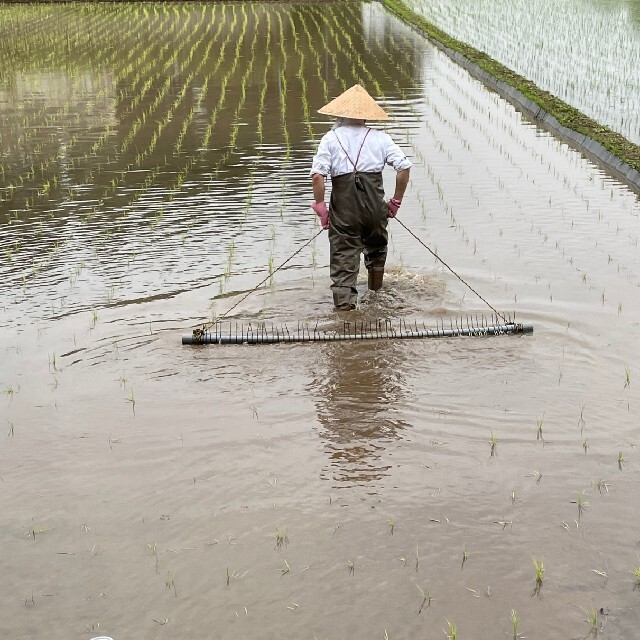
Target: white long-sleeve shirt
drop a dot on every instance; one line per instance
(378, 149)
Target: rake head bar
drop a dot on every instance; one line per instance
(230, 333)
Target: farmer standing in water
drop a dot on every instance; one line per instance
(354, 156)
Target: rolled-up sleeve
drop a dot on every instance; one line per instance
(395, 157)
(322, 160)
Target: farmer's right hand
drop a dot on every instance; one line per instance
(322, 212)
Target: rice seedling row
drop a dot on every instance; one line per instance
(598, 42)
(608, 234)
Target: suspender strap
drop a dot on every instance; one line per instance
(354, 165)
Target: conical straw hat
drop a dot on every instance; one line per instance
(355, 103)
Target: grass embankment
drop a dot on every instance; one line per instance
(565, 114)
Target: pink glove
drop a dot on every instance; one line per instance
(321, 211)
(393, 206)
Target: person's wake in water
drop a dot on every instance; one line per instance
(354, 155)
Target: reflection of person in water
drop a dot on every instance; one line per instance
(355, 406)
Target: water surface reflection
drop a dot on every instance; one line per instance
(357, 394)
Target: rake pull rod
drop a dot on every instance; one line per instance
(199, 331)
(437, 257)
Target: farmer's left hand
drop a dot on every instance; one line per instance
(393, 205)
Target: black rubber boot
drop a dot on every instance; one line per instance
(376, 276)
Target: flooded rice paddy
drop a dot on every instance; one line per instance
(586, 53)
(155, 168)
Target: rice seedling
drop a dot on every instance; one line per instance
(515, 624)
(271, 270)
(286, 569)
(282, 537)
(493, 443)
(451, 632)
(426, 598)
(601, 486)
(154, 550)
(581, 503)
(35, 531)
(591, 617)
(627, 374)
(132, 400)
(465, 556)
(539, 571)
(585, 445)
(170, 583)
(636, 575)
(537, 474)
(620, 460)
(352, 567)
(392, 524)
(539, 435)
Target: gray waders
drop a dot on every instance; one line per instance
(357, 224)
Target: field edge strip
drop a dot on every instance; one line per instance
(611, 150)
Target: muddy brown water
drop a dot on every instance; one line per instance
(151, 489)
